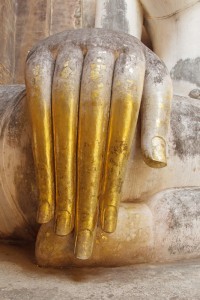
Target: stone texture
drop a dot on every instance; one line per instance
(65, 15)
(7, 40)
(19, 196)
(183, 163)
(176, 215)
(12, 221)
(32, 25)
(168, 231)
(131, 243)
(26, 22)
(36, 20)
(88, 13)
(21, 279)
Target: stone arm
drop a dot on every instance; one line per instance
(172, 27)
(125, 16)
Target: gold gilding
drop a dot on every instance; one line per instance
(84, 244)
(87, 143)
(63, 224)
(109, 219)
(65, 99)
(44, 212)
(125, 106)
(124, 112)
(38, 83)
(92, 133)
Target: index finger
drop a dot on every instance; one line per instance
(92, 133)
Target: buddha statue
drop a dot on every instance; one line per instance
(96, 110)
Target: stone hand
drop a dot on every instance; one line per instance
(84, 91)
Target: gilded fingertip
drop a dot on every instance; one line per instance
(84, 244)
(109, 220)
(63, 223)
(44, 214)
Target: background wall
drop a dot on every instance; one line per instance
(25, 22)
(7, 40)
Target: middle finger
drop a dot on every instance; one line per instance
(92, 133)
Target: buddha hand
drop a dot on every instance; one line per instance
(84, 91)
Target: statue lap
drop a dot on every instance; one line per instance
(158, 216)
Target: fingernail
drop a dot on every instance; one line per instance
(63, 223)
(44, 214)
(109, 223)
(84, 244)
(159, 152)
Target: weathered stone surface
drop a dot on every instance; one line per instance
(115, 16)
(176, 224)
(176, 215)
(183, 164)
(21, 279)
(36, 20)
(88, 13)
(17, 192)
(140, 184)
(7, 40)
(131, 243)
(32, 25)
(168, 231)
(65, 15)
(24, 23)
(187, 70)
